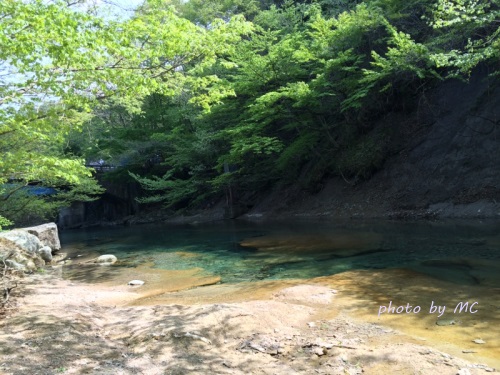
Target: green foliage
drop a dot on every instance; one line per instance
(4, 222)
(296, 152)
(172, 190)
(64, 66)
(21, 206)
(205, 12)
(364, 157)
(194, 93)
(299, 93)
(477, 22)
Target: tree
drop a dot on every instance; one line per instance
(59, 63)
(298, 98)
(475, 24)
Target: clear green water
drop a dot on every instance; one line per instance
(466, 253)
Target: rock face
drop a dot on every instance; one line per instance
(112, 208)
(47, 234)
(316, 294)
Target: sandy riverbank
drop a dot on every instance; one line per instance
(325, 325)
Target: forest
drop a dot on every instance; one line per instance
(189, 98)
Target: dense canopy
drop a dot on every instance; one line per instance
(189, 97)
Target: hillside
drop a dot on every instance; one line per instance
(444, 163)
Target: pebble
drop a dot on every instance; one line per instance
(325, 345)
(479, 341)
(136, 282)
(463, 371)
(446, 322)
(319, 351)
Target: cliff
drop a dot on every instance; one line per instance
(445, 162)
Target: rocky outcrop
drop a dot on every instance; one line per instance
(29, 248)
(18, 257)
(47, 234)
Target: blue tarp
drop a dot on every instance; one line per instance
(31, 190)
(40, 190)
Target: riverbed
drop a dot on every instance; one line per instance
(438, 282)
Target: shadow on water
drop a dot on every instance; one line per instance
(96, 274)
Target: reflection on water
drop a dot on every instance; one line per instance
(466, 253)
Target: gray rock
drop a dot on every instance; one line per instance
(17, 257)
(318, 351)
(45, 253)
(15, 265)
(47, 234)
(106, 259)
(446, 322)
(23, 239)
(136, 282)
(482, 367)
(322, 344)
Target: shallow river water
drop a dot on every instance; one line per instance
(465, 253)
(372, 264)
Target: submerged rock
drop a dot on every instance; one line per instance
(106, 259)
(446, 322)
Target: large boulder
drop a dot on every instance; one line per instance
(23, 239)
(47, 234)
